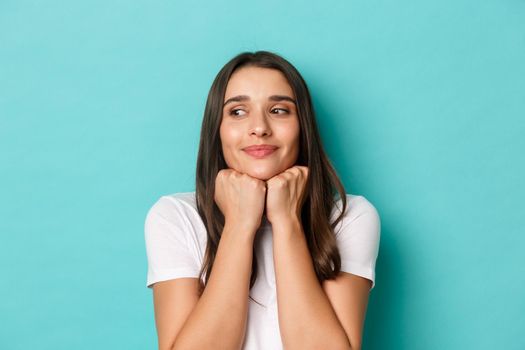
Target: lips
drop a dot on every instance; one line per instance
(259, 151)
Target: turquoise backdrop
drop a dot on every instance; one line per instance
(421, 105)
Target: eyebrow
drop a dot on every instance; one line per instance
(242, 98)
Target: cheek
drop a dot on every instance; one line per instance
(230, 139)
(229, 136)
(291, 135)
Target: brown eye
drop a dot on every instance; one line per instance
(237, 112)
(280, 110)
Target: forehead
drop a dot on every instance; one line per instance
(258, 81)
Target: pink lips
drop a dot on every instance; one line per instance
(260, 151)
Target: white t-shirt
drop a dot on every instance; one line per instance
(176, 242)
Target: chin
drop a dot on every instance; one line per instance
(262, 174)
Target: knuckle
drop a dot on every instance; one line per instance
(280, 182)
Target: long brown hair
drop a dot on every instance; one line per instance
(323, 187)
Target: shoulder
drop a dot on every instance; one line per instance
(175, 216)
(358, 236)
(356, 205)
(170, 205)
(175, 210)
(175, 238)
(358, 208)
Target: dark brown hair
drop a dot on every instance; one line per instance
(323, 188)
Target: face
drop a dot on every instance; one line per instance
(259, 109)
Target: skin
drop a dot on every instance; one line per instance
(257, 118)
(311, 315)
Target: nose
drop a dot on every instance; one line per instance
(260, 125)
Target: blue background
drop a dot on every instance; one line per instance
(421, 105)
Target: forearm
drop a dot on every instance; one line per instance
(306, 317)
(218, 320)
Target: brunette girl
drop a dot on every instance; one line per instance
(269, 252)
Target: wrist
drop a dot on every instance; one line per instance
(239, 229)
(287, 224)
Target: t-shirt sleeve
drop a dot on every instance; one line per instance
(168, 254)
(358, 239)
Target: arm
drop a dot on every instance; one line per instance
(173, 301)
(348, 294)
(310, 317)
(306, 317)
(218, 320)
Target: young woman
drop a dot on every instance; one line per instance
(269, 252)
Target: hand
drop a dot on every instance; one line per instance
(285, 195)
(240, 198)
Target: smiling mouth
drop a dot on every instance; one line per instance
(260, 153)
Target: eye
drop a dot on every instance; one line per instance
(280, 110)
(237, 112)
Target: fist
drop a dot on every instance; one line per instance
(285, 194)
(240, 198)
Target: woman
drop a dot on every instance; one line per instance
(269, 252)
